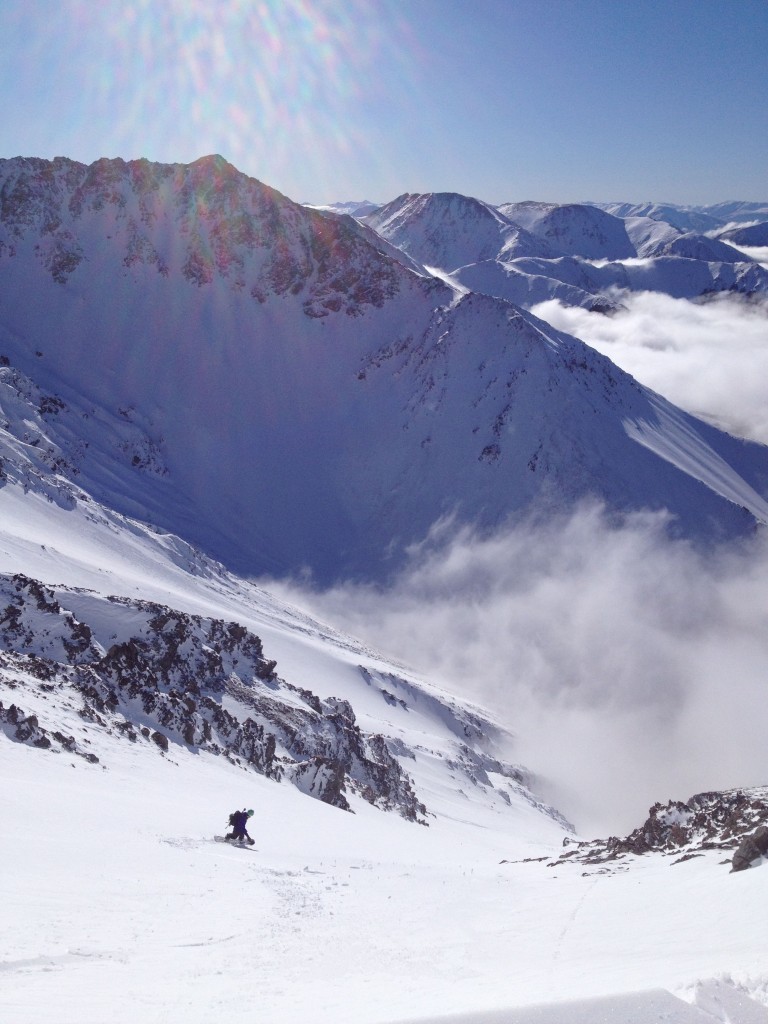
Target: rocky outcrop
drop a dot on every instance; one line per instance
(751, 849)
(180, 679)
(708, 821)
(26, 729)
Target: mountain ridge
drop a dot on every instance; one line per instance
(270, 384)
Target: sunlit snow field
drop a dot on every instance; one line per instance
(119, 906)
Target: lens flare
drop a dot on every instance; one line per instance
(286, 90)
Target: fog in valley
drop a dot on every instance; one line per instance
(709, 357)
(630, 667)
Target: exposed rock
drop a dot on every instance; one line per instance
(323, 779)
(26, 729)
(174, 675)
(708, 821)
(161, 741)
(230, 226)
(750, 849)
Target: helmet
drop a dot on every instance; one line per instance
(250, 813)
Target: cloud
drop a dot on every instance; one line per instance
(710, 358)
(758, 253)
(631, 668)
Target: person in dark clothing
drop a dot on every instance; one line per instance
(238, 821)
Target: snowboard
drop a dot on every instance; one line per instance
(231, 842)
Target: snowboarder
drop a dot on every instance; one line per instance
(238, 820)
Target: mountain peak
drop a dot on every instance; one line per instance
(443, 229)
(270, 383)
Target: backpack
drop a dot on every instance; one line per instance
(231, 818)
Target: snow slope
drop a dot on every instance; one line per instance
(604, 281)
(698, 247)
(578, 254)
(122, 908)
(751, 235)
(144, 620)
(649, 236)
(525, 284)
(118, 905)
(267, 382)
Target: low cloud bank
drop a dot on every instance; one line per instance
(710, 358)
(630, 668)
(758, 253)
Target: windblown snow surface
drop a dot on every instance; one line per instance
(117, 904)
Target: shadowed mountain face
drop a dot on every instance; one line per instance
(267, 381)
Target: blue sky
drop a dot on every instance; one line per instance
(559, 100)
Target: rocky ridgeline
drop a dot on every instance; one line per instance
(204, 220)
(708, 821)
(166, 678)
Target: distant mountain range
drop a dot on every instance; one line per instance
(576, 253)
(287, 390)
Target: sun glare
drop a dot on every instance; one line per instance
(269, 84)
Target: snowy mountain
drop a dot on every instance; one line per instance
(737, 211)
(193, 367)
(575, 230)
(754, 234)
(687, 219)
(649, 236)
(578, 254)
(353, 208)
(527, 282)
(447, 230)
(668, 275)
(698, 247)
(683, 218)
(266, 382)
